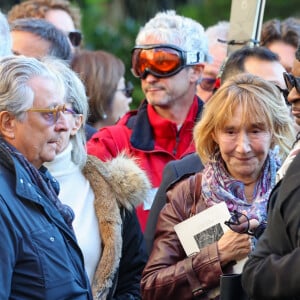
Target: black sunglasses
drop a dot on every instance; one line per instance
(291, 82)
(209, 84)
(285, 93)
(75, 37)
(128, 90)
(235, 224)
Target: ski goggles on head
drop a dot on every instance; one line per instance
(162, 60)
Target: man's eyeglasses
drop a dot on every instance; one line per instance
(285, 93)
(128, 90)
(209, 84)
(75, 37)
(291, 82)
(240, 223)
(51, 115)
(162, 60)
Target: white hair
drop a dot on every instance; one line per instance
(5, 37)
(217, 32)
(170, 28)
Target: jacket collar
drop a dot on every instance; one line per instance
(142, 136)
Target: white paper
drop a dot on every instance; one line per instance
(205, 228)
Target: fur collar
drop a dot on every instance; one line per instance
(116, 183)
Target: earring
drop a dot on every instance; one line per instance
(104, 116)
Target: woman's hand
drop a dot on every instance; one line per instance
(233, 246)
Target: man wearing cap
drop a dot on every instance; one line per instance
(168, 58)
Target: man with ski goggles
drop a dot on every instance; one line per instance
(162, 60)
(169, 57)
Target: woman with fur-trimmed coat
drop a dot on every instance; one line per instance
(103, 196)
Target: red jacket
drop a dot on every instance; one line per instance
(153, 140)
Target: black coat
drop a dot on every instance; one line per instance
(272, 271)
(173, 172)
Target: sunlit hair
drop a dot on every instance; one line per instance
(76, 95)
(39, 8)
(5, 38)
(16, 96)
(261, 103)
(287, 31)
(176, 30)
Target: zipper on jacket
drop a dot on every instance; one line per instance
(176, 144)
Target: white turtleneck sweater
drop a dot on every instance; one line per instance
(75, 191)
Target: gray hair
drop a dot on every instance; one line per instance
(59, 43)
(16, 96)
(76, 95)
(5, 37)
(217, 33)
(177, 30)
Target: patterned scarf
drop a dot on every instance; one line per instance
(37, 179)
(218, 185)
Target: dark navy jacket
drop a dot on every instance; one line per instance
(39, 255)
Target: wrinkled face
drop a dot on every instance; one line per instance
(29, 44)
(35, 137)
(285, 52)
(72, 123)
(294, 95)
(244, 148)
(120, 102)
(165, 92)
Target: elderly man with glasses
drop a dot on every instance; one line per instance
(168, 58)
(40, 257)
(272, 269)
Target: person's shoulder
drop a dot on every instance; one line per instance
(294, 167)
(288, 185)
(189, 162)
(183, 168)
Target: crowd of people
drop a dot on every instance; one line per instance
(92, 191)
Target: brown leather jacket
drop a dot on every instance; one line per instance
(169, 273)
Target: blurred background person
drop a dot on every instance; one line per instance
(217, 36)
(5, 37)
(39, 38)
(103, 197)
(236, 140)
(61, 13)
(109, 95)
(283, 38)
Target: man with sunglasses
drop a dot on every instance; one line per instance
(168, 58)
(61, 13)
(38, 38)
(292, 81)
(272, 270)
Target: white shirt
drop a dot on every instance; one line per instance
(75, 191)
